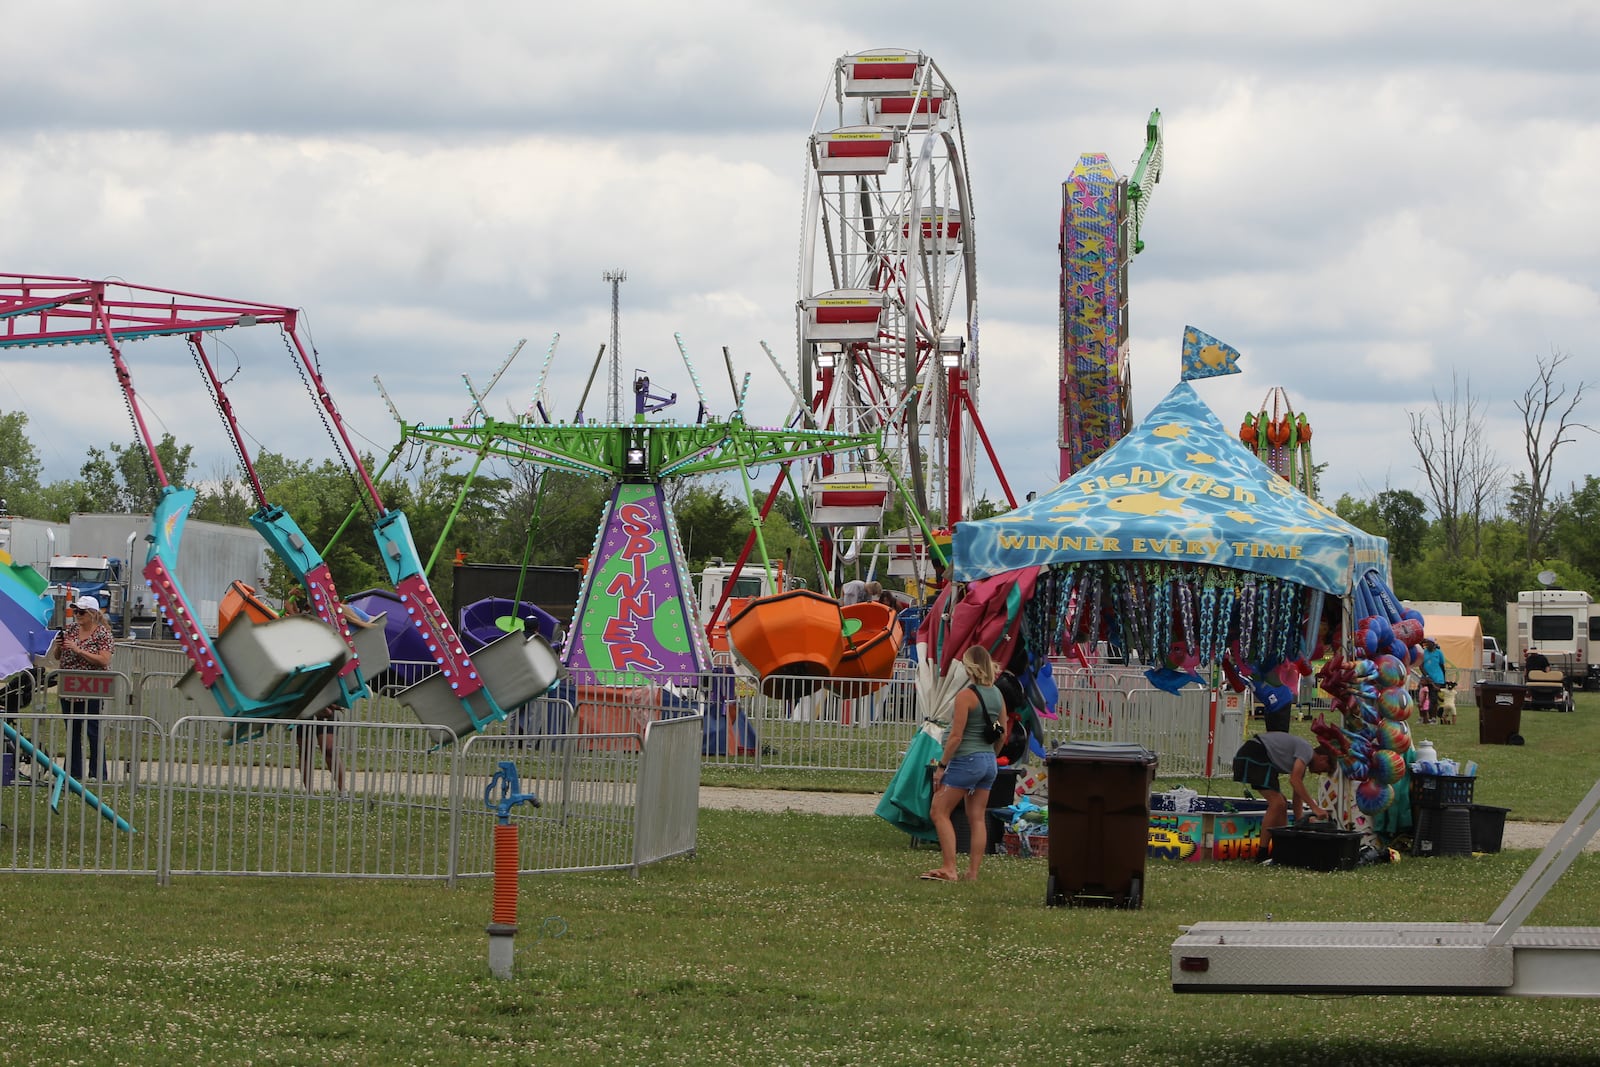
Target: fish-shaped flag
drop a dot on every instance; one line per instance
(1206, 357)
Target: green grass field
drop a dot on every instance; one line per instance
(788, 939)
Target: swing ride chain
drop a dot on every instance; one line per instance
(216, 402)
(144, 453)
(322, 413)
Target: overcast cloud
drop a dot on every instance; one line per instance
(1367, 199)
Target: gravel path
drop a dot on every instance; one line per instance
(780, 800)
(1532, 835)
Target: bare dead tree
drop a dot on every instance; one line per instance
(1463, 476)
(1549, 419)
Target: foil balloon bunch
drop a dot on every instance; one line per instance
(1371, 740)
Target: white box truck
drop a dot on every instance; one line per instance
(210, 556)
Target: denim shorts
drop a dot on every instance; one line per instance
(975, 770)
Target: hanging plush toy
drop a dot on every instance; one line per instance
(1177, 671)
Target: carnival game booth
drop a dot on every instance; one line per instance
(1177, 536)
(1182, 548)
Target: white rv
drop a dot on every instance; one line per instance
(1559, 623)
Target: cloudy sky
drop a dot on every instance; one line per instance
(1370, 200)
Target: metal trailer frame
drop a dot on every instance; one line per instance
(1500, 957)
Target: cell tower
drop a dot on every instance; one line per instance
(614, 402)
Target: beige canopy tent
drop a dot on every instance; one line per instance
(1460, 638)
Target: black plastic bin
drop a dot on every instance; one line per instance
(1488, 827)
(1442, 832)
(1500, 713)
(1316, 847)
(1099, 803)
(1001, 796)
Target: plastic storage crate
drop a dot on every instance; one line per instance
(1443, 832)
(1315, 849)
(1441, 790)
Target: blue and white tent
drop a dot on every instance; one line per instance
(1178, 488)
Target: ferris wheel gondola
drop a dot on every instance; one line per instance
(887, 309)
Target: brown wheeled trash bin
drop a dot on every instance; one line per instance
(1500, 713)
(1099, 802)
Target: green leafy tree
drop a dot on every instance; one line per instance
(1362, 514)
(711, 523)
(319, 499)
(1577, 528)
(544, 517)
(1405, 523)
(988, 509)
(125, 480)
(58, 500)
(19, 465)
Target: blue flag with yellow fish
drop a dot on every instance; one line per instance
(1206, 357)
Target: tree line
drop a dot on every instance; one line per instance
(527, 516)
(1482, 529)
(1485, 527)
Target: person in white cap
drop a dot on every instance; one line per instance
(84, 644)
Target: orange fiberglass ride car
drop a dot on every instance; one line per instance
(799, 640)
(873, 637)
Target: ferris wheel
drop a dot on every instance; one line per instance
(888, 309)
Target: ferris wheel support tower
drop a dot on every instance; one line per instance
(887, 312)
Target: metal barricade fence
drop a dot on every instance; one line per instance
(1090, 705)
(46, 826)
(807, 724)
(342, 799)
(616, 801)
(360, 799)
(156, 696)
(586, 785)
(829, 724)
(1177, 727)
(135, 658)
(667, 804)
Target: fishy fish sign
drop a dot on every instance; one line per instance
(1178, 487)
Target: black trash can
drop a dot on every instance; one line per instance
(1500, 713)
(1488, 827)
(1099, 803)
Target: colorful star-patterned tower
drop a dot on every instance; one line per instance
(1101, 215)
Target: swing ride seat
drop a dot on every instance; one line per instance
(277, 667)
(850, 498)
(871, 652)
(372, 653)
(789, 640)
(515, 669)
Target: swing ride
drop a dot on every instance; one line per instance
(284, 667)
